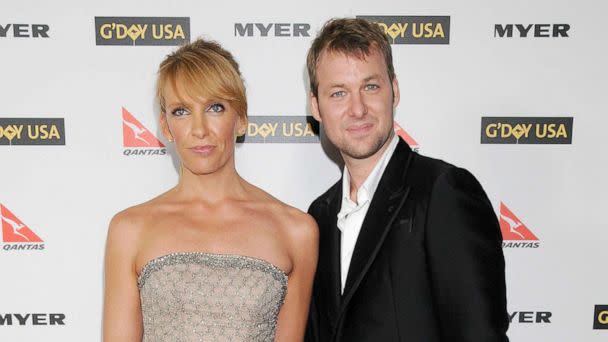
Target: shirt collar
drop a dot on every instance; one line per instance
(369, 186)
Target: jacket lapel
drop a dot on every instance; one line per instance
(388, 199)
(329, 254)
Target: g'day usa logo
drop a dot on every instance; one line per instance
(600, 317)
(137, 139)
(16, 235)
(142, 30)
(526, 130)
(413, 29)
(32, 131)
(515, 234)
(281, 129)
(406, 137)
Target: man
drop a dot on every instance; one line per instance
(410, 248)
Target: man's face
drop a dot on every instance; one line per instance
(355, 102)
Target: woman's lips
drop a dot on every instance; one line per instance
(203, 149)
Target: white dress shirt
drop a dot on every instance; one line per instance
(351, 215)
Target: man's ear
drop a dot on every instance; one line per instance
(164, 127)
(314, 107)
(396, 93)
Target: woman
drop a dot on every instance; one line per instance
(215, 258)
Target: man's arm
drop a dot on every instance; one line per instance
(466, 261)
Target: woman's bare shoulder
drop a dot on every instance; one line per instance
(301, 228)
(130, 222)
(300, 234)
(298, 227)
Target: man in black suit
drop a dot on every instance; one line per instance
(410, 248)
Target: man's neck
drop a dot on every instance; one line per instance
(360, 169)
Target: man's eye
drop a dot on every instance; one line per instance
(371, 87)
(339, 93)
(216, 108)
(179, 111)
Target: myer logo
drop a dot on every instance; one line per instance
(271, 30)
(414, 29)
(32, 319)
(282, 129)
(530, 317)
(32, 131)
(142, 30)
(531, 30)
(24, 30)
(526, 130)
(600, 317)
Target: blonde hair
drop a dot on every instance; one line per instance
(203, 69)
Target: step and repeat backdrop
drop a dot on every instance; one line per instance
(513, 91)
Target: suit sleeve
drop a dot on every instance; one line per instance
(312, 327)
(466, 261)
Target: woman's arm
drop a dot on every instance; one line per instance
(303, 244)
(122, 320)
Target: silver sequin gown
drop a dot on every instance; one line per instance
(210, 297)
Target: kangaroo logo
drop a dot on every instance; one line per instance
(135, 134)
(511, 226)
(13, 230)
(403, 134)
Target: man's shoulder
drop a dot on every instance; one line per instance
(429, 167)
(426, 173)
(417, 168)
(325, 199)
(429, 173)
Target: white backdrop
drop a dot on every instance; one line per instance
(66, 194)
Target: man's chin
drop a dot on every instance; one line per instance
(364, 150)
(362, 153)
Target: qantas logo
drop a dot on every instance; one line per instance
(137, 139)
(408, 139)
(515, 234)
(15, 234)
(135, 134)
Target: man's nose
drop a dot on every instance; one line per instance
(358, 107)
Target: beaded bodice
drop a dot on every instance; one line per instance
(210, 297)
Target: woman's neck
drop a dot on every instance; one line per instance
(211, 188)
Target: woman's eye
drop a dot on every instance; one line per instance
(339, 93)
(216, 108)
(179, 111)
(371, 87)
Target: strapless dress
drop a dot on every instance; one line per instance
(210, 297)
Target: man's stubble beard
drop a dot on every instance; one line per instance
(353, 152)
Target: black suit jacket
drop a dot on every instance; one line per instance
(427, 266)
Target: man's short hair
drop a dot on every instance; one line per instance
(352, 37)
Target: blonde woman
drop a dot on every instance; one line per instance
(215, 258)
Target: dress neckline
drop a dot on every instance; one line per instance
(149, 266)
